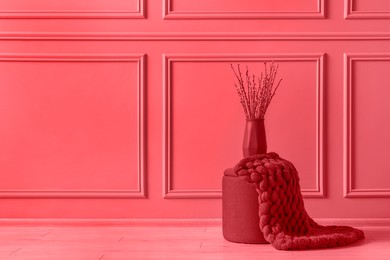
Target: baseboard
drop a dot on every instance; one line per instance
(358, 222)
(111, 222)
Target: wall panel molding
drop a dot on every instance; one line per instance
(139, 13)
(349, 13)
(349, 190)
(168, 191)
(161, 36)
(95, 193)
(168, 13)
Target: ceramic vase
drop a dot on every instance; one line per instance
(255, 141)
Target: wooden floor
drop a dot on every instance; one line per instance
(167, 242)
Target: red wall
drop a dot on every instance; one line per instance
(127, 109)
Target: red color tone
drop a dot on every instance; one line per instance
(71, 121)
(117, 109)
(255, 141)
(240, 210)
(283, 218)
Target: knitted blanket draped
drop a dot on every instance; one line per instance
(283, 218)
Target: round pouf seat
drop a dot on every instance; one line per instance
(240, 211)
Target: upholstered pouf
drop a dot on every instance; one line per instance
(240, 210)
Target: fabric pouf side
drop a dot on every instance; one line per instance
(240, 211)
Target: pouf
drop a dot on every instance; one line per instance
(240, 210)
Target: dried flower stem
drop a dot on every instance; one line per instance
(256, 93)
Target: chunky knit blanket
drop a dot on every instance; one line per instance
(283, 218)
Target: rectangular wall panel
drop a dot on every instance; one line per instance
(366, 136)
(71, 9)
(71, 125)
(244, 9)
(367, 9)
(204, 121)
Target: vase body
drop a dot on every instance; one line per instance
(255, 141)
(240, 211)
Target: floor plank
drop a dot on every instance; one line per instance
(154, 242)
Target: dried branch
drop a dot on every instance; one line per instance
(256, 93)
